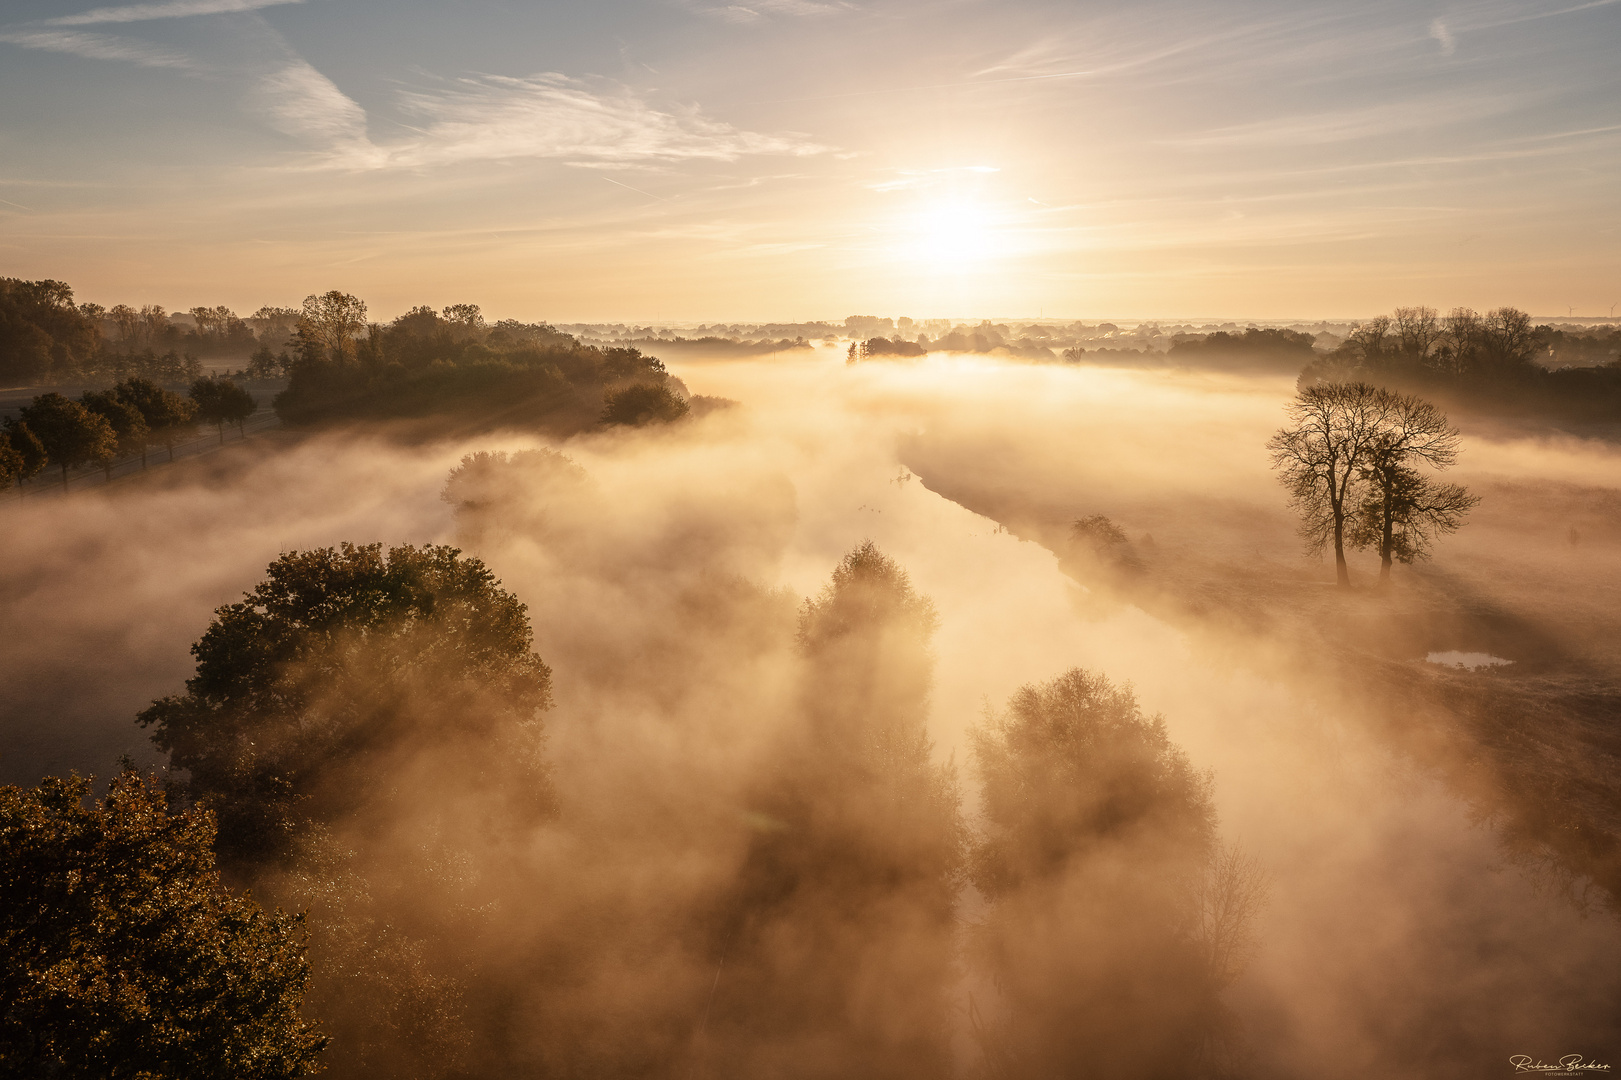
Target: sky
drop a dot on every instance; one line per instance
(684, 160)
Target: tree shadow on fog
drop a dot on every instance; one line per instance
(835, 949)
(1114, 919)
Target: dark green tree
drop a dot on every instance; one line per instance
(126, 420)
(642, 403)
(71, 434)
(122, 956)
(220, 402)
(338, 657)
(169, 416)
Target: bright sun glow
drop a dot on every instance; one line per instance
(955, 233)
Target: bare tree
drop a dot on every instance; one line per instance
(1405, 513)
(1321, 455)
(1460, 340)
(1371, 337)
(1506, 335)
(1418, 329)
(1402, 510)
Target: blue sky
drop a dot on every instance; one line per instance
(806, 158)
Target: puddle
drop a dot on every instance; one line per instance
(1470, 660)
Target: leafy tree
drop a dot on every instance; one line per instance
(72, 435)
(329, 324)
(840, 940)
(21, 452)
(41, 330)
(1401, 510)
(264, 364)
(627, 363)
(126, 420)
(1320, 456)
(641, 404)
(220, 402)
(338, 656)
(1113, 920)
(122, 956)
(169, 416)
(1253, 346)
(11, 463)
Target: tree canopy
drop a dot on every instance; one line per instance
(71, 434)
(339, 652)
(21, 453)
(642, 403)
(122, 956)
(126, 420)
(40, 329)
(329, 324)
(169, 417)
(221, 401)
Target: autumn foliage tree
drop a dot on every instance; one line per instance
(22, 455)
(126, 420)
(121, 956)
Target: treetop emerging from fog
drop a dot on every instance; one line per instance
(339, 651)
(869, 592)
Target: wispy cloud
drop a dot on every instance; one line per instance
(494, 118)
(1439, 31)
(759, 10)
(172, 9)
(299, 101)
(99, 47)
(1345, 125)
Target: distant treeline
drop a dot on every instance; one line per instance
(46, 338)
(1497, 363)
(428, 363)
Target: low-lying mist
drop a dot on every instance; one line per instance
(699, 901)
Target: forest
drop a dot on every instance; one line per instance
(529, 706)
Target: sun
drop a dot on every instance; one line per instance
(954, 233)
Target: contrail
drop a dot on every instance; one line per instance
(638, 190)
